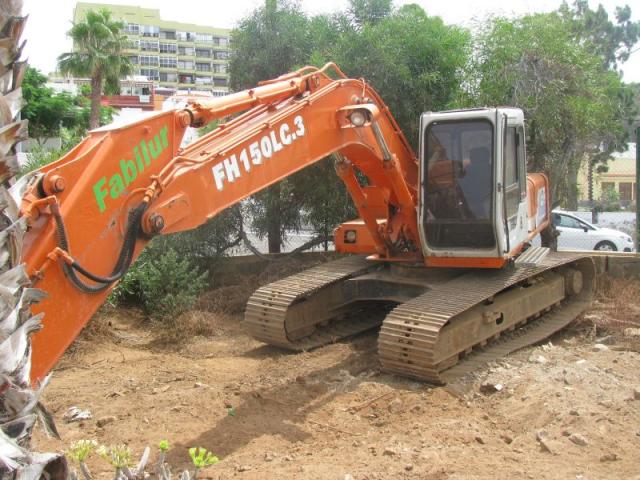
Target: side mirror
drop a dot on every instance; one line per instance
(585, 229)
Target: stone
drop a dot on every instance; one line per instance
(506, 438)
(537, 359)
(578, 439)
(632, 332)
(243, 468)
(269, 457)
(390, 452)
(479, 439)
(396, 406)
(489, 387)
(575, 413)
(101, 422)
(545, 442)
(636, 393)
(599, 347)
(609, 457)
(348, 476)
(607, 340)
(408, 467)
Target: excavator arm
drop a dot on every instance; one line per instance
(92, 212)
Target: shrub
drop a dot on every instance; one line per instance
(163, 283)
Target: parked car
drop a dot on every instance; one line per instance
(577, 234)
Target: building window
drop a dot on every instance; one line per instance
(185, 78)
(219, 68)
(186, 36)
(186, 51)
(203, 67)
(168, 77)
(132, 29)
(150, 73)
(203, 80)
(185, 64)
(168, 34)
(149, 31)
(220, 82)
(148, 60)
(204, 37)
(132, 44)
(203, 52)
(168, 48)
(221, 55)
(134, 59)
(626, 191)
(148, 46)
(168, 62)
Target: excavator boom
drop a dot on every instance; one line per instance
(93, 211)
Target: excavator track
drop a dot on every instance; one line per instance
(279, 314)
(429, 336)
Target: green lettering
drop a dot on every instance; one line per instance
(116, 186)
(129, 172)
(145, 153)
(136, 152)
(156, 149)
(100, 193)
(164, 135)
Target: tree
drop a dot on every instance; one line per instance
(368, 12)
(46, 110)
(271, 41)
(99, 44)
(572, 104)
(411, 59)
(614, 42)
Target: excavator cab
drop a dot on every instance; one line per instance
(474, 209)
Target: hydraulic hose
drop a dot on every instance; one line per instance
(124, 258)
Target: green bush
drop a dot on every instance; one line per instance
(162, 283)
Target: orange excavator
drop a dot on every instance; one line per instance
(440, 253)
(439, 258)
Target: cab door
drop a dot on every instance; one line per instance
(514, 182)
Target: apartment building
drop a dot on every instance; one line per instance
(173, 55)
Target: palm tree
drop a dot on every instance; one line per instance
(98, 44)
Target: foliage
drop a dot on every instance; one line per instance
(163, 283)
(325, 200)
(609, 200)
(272, 40)
(46, 110)
(368, 12)
(80, 450)
(202, 458)
(100, 44)
(613, 42)
(40, 155)
(118, 456)
(572, 104)
(411, 59)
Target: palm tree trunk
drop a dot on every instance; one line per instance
(96, 92)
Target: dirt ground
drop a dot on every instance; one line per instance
(567, 409)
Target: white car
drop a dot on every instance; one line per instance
(577, 234)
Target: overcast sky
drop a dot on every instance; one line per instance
(49, 20)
